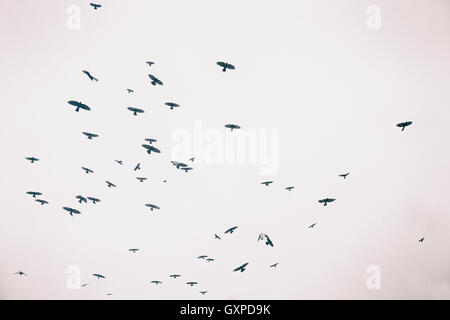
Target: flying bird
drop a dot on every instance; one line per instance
(95, 5)
(225, 66)
(403, 125)
(267, 183)
(151, 206)
(150, 140)
(216, 236)
(344, 175)
(210, 259)
(241, 268)
(138, 167)
(155, 282)
(155, 80)
(312, 226)
(90, 135)
(150, 63)
(172, 105)
(71, 211)
(79, 105)
(89, 75)
(231, 230)
(326, 201)
(133, 250)
(268, 241)
(203, 292)
(81, 199)
(274, 265)
(191, 283)
(186, 169)
(98, 275)
(141, 179)
(94, 200)
(32, 159)
(135, 110)
(87, 170)
(232, 126)
(421, 239)
(192, 159)
(110, 184)
(42, 202)
(130, 90)
(34, 193)
(201, 257)
(289, 188)
(151, 148)
(174, 276)
(21, 273)
(119, 162)
(178, 164)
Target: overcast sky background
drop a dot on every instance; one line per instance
(311, 69)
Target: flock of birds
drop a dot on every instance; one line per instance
(150, 148)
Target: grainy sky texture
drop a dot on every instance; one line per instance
(310, 74)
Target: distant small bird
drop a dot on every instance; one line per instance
(267, 183)
(138, 167)
(89, 75)
(225, 66)
(403, 125)
(150, 63)
(130, 90)
(96, 6)
(135, 110)
(268, 241)
(344, 175)
(241, 268)
(192, 159)
(98, 275)
(172, 105)
(156, 282)
(201, 257)
(191, 283)
(231, 230)
(312, 226)
(119, 162)
(150, 140)
(178, 164)
(186, 169)
(79, 105)
(151, 206)
(81, 199)
(289, 188)
(34, 193)
(174, 276)
(110, 184)
(90, 135)
(151, 148)
(203, 292)
(274, 265)
(133, 250)
(155, 80)
(87, 170)
(71, 211)
(216, 236)
(21, 273)
(421, 239)
(232, 126)
(109, 294)
(141, 179)
(326, 201)
(42, 202)
(84, 284)
(94, 200)
(210, 259)
(32, 159)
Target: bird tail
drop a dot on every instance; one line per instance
(224, 68)
(77, 109)
(324, 204)
(403, 128)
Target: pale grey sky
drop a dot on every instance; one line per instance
(312, 70)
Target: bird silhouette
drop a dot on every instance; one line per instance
(155, 80)
(225, 66)
(90, 76)
(95, 5)
(32, 159)
(403, 125)
(79, 105)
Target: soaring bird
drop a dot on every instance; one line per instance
(156, 282)
(90, 135)
(231, 230)
(150, 63)
(87, 170)
(32, 159)
(151, 148)
(210, 259)
(133, 250)
(151, 206)
(42, 202)
(34, 193)
(71, 211)
(225, 66)
(178, 164)
(141, 179)
(403, 125)
(241, 268)
(289, 188)
(268, 241)
(232, 126)
(150, 140)
(201, 257)
(186, 169)
(138, 167)
(155, 80)
(172, 105)
(79, 105)
(135, 110)
(96, 6)
(421, 239)
(274, 265)
(94, 200)
(344, 175)
(110, 184)
(191, 283)
(174, 276)
(98, 275)
(203, 292)
(130, 90)
(119, 162)
(326, 201)
(312, 226)
(216, 236)
(89, 75)
(81, 199)
(21, 273)
(267, 183)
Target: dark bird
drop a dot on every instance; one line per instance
(289, 188)
(274, 265)
(210, 259)
(174, 276)
(155, 80)
(155, 282)
(172, 105)
(130, 90)
(32, 159)
(94, 200)
(203, 292)
(90, 135)
(312, 226)
(267, 182)
(150, 63)
(141, 179)
(151, 206)
(241, 268)
(151, 148)
(191, 283)
(109, 294)
(89, 75)
(138, 167)
(42, 202)
(133, 250)
(225, 66)
(135, 110)
(192, 159)
(84, 284)
(231, 230)
(201, 257)
(34, 193)
(78, 105)
(216, 236)
(87, 170)
(178, 164)
(98, 275)
(232, 126)
(186, 169)
(110, 184)
(268, 241)
(96, 6)
(150, 140)
(21, 273)
(403, 125)
(344, 175)
(326, 201)
(71, 211)
(119, 162)
(81, 199)
(421, 239)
